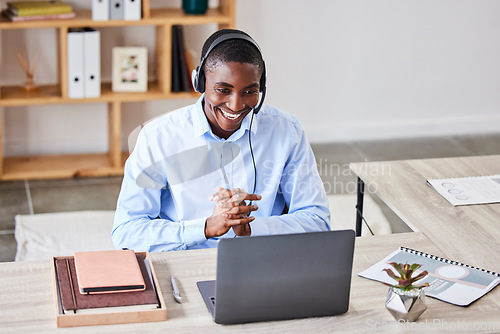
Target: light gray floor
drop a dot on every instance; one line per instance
(28, 197)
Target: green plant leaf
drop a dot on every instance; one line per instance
(405, 280)
(391, 274)
(419, 276)
(415, 266)
(398, 267)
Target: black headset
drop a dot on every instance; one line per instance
(198, 75)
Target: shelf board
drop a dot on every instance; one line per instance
(59, 166)
(153, 93)
(14, 95)
(11, 96)
(160, 16)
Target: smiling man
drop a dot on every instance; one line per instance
(227, 105)
(224, 167)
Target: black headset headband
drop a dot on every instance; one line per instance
(198, 75)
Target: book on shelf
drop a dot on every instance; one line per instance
(176, 77)
(48, 17)
(449, 281)
(185, 75)
(181, 77)
(34, 8)
(72, 301)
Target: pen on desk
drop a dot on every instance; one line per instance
(176, 293)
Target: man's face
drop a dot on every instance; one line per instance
(231, 91)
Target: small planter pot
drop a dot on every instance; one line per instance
(195, 7)
(406, 305)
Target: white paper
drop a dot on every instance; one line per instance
(449, 281)
(469, 190)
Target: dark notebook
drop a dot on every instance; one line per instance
(73, 301)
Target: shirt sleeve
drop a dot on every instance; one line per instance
(303, 192)
(136, 223)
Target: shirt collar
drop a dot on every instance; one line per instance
(200, 122)
(201, 125)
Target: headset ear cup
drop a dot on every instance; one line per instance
(194, 79)
(261, 102)
(263, 78)
(201, 82)
(198, 80)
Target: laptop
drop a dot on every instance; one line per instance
(279, 277)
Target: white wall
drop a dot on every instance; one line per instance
(348, 69)
(370, 69)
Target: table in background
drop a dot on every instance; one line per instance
(469, 234)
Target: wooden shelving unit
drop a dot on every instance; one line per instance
(63, 166)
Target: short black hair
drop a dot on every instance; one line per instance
(231, 50)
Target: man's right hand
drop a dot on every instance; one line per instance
(230, 211)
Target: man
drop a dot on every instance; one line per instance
(224, 167)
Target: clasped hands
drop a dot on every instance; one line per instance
(230, 211)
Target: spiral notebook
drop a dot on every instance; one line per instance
(449, 281)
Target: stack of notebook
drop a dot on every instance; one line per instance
(105, 281)
(38, 10)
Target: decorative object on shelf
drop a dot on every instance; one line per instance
(130, 69)
(28, 69)
(406, 301)
(195, 7)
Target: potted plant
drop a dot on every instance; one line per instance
(405, 300)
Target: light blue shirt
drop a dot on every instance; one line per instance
(178, 163)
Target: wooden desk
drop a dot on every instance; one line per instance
(26, 301)
(468, 234)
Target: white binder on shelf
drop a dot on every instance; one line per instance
(92, 62)
(100, 10)
(116, 9)
(132, 10)
(75, 63)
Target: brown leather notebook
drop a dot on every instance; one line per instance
(72, 300)
(108, 271)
